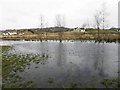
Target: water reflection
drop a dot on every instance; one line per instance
(43, 47)
(99, 59)
(61, 54)
(118, 63)
(84, 62)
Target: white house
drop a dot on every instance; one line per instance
(79, 30)
(5, 34)
(83, 30)
(12, 33)
(9, 33)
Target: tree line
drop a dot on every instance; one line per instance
(100, 20)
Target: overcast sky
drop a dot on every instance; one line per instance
(26, 13)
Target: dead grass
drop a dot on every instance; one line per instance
(66, 35)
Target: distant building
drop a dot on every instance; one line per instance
(79, 29)
(12, 33)
(4, 33)
(9, 33)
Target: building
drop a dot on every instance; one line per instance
(10, 33)
(79, 29)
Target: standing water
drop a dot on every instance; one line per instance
(54, 64)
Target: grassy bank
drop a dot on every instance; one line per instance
(64, 36)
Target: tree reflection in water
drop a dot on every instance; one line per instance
(61, 54)
(99, 58)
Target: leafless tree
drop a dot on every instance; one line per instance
(104, 15)
(59, 21)
(63, 21)
(86, 24)
(101, 17)
(43, 23)
(98, 19)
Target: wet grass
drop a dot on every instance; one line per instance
(4, 48)
(13, 64)
(50, 80)
(110, 83)
(71, 85)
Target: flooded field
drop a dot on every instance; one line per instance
(54, 64)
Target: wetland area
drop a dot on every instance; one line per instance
(54, 64)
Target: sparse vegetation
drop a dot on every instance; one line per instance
(12, 64)
(50, 80)
(66, 34)
(108, 83)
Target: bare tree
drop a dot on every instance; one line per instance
(43, 23)
(59, 21)
(86, 24)
(98, 19)
(101, 17)
(104, 15)
(63, 21)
